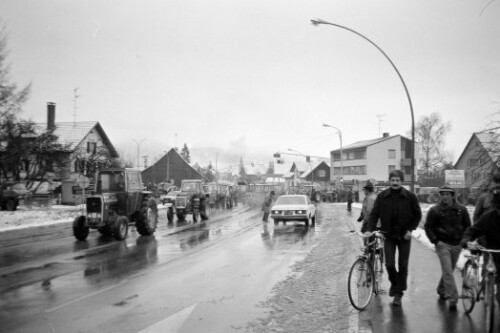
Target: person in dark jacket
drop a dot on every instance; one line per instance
(445, 225)
(399, 212)
(266, 206)
(484, 202)
(488, 226)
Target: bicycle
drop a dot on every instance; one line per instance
(479, 284)
(366, 272)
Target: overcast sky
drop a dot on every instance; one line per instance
(255, 77)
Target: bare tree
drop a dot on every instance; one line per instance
(430, 134)
(11, 128)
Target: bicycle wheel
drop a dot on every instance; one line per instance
(360, 283)
(469, 286)
(378, 270)
(489, 304)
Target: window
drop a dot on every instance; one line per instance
(392, 168)
(408, 170)
(91, 147)
(321, 173)
(392, 153)
(355, 170)
(473, 162)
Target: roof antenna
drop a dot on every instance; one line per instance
(75, 97)
(380, 120)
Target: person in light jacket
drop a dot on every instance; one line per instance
(445, 225)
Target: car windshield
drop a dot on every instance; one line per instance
(291, 201)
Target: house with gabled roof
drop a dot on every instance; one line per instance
(317, 172)
(170, 168)
(372, 159)
(479, 159)
(83, 138)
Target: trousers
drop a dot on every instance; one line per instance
(397, 276)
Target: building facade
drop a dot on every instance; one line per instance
(479, 159)
(372, 159)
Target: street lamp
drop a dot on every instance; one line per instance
(312, 171)
(341, 157)
(412, 150)
(138, 150)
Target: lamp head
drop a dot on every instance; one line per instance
(317, 22)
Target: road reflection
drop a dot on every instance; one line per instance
(275, 237)
(123, 260)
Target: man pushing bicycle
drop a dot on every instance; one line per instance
(399, 212)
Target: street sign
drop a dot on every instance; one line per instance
(83, 181)
(454, 178)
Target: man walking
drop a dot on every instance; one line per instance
(399, 213)
(445, 225)
(367, 206)
(266, 206)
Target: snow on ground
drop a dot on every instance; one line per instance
(25, 217)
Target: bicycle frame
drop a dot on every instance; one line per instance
(472, 291)
(370, 250)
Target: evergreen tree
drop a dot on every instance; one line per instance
(185, 154)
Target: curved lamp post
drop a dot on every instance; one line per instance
(341, 157)
(318, 22)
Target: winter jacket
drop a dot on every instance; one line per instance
(447, 223)
(488, 226)
(367, 207)
(399, 212)
(268, 202)
(483, 205)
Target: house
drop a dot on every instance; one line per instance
(317, 172)
(479, 159)
(87, 141)
(372, 159)
(172, 168)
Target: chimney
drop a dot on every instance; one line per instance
(385, 135)
(51, 116)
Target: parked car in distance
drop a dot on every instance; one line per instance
(21, 190)
(9, 199)
(296, 207)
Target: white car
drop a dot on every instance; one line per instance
(295, 207)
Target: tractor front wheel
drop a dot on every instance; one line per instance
(120, 228)
(80, 229)
(147, 218)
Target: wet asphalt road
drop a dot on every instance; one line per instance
(208, 279)
(205, 279)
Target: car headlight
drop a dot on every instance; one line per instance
(300, 212)
(275, 212)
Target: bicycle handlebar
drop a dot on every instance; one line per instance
(476, 246)
(375, 233)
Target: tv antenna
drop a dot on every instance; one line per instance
(75, 97)
(380, 120)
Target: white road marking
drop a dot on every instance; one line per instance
(171, 324)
